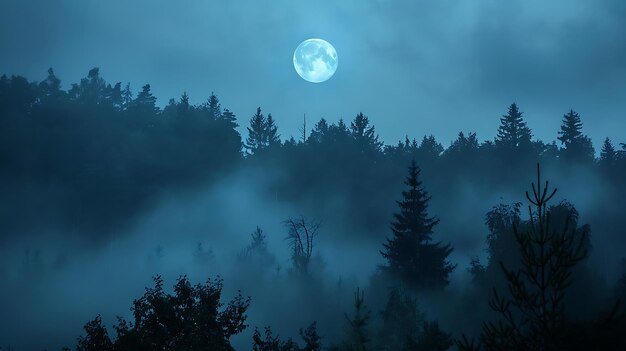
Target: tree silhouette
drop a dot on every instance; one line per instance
(145, 102)
(364, 134)
(534, 314)
(357, 333)
(301, 236)
(271, 131)
(410, 254)
(229, 117)
(97, 338)
(256, 252)
(213, 107)
(192, 319)
(256, 133)
(262, 133)
(608, 154)
(513, 130)
(312, 341)
(401, 321)
(51, 86)
(578, 147)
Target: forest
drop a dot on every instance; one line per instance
(130, 226)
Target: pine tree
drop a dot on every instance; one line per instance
(513, 130)
(358, 339)
(183, 106)
(608, 154)
(430, 147)
(571, 128)
(230, 118)
(464, 146)
(145, 102)
(257, 138)
(578, 147)
(213, 107)
(127, 96)
(534, 314)
(364, 133)
(319, 132)
(410, 254)
(273, 139)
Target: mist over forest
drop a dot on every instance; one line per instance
(339, 240)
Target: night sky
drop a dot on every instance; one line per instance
(92, 207)
(414, 67)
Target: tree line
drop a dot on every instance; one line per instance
(102, 140)
(112, 151)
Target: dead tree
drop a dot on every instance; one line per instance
(301, 234)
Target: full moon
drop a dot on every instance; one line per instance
(315, 60)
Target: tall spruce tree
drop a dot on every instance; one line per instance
(213, 107)
(257, 137)
(411, 256)
(262, 133)
(608, 154)
(271, 131)
(578, 147)
(513, 130)
(364, 133)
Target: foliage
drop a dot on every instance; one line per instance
(357, 333)
(312, 341)
(409, 253)
(534, 314)
(513, 131)
(193, 318)
(578, 147)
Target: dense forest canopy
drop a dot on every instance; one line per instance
(91, 162)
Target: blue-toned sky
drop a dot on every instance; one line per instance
(414, 67)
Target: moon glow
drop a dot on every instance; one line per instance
(315, 60)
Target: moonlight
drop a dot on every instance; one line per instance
(315, 60)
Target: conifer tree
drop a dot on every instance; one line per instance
(608, 154)
(430, 147)
(213, 107)
(358, 338)
(578, 147)
(319, 132)
(127, 96)
(145, 102)
(410, 253)
(513, 130)
(364, 133)
(534, 314)
(271, 131)
(257, 137)
(183, 106)
(229, 117)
